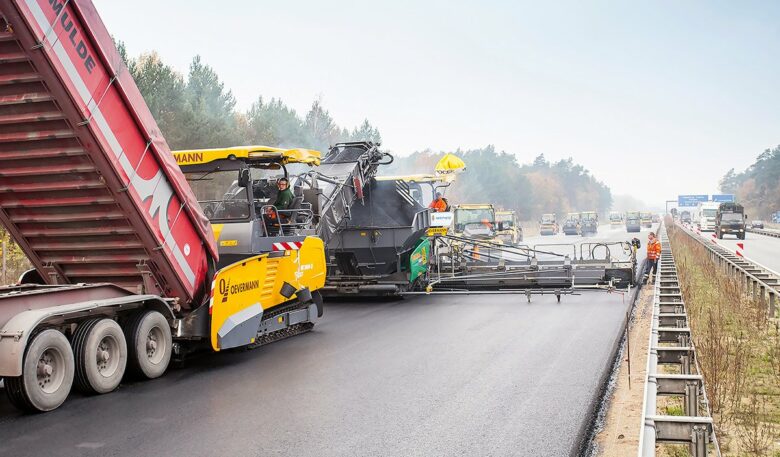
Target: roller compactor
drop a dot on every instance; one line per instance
(127, 271)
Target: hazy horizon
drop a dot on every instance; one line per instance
(614, 86)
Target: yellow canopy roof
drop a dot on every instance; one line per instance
(260, 154)
(450, 163)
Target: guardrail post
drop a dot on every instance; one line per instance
(772, 304)
(754, 289)
(699, 440)
(692, 398)
(685, 364)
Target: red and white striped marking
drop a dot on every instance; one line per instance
(288, 246)
(714, 238)
(740, 248)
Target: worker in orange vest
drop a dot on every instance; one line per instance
(653, 254)
(439, 204)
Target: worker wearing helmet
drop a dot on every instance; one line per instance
(439, 204)
(653, 254)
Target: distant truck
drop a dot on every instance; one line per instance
(730, 220)
(706, 213)
(571, 226)
(589, 222)
(548, 224)
(633, 222)
(508, 229)
(646, 219)
(685, 217)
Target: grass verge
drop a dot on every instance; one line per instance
(738, 349)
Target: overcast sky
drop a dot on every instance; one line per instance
(655, 98)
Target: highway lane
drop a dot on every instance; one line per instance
(560, 243)
(439, 375)
(762, 249)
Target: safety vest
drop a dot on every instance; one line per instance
(439, 205)
(654, 249)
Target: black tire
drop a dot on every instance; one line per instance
(34, 391)
(100, 350)
(143, 359)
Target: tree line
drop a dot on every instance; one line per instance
(531, 189)
(758, 186)
(197, 111)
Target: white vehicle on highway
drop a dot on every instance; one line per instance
(705, 213)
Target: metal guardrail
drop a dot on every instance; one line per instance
(765, 232)
(757, 281)
(671, 344)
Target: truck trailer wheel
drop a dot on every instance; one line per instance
(100, 351)
(149, 344)
(47, 373)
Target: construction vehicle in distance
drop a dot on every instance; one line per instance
(646, 219)
(476, 221)
(615, 219)
(589, 223)
(508, 229)
(685, 217)
(548, 224)
(127, 271)
(571, 226)
(730, 220)
(633, 222)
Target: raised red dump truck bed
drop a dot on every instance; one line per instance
(88, 186)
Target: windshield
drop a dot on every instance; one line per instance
(219, 195)
(709, 212)
(548, 219)
(471, 216)
(589, 217)
(506, 221)
(422, 192)
(731, 217)
(614, 217)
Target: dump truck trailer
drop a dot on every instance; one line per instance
(126, 266)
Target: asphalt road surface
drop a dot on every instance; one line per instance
(487, 375)
(762, 249)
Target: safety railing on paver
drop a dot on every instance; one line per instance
(757, 281)
(671, 346)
